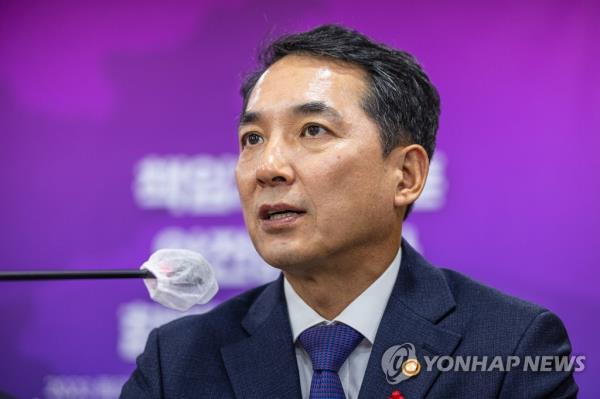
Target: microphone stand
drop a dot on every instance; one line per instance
(74, 275)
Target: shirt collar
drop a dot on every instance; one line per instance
(363, 314)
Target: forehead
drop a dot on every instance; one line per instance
(298, 79)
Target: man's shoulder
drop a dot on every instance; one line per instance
(472, 293)
(223, 323)
(459, 302)
(439, 293)
(503, 318)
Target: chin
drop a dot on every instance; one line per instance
(285, 259)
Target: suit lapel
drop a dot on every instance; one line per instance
(419, 300)
(264, 364)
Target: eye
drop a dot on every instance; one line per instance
(251, 139)
(314, 130)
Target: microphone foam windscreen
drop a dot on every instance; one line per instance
(183, 278)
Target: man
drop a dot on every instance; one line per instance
(336, 135)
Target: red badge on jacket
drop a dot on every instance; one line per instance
(396, 395)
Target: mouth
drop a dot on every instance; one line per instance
(279, 211)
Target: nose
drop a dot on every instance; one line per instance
(275, 166)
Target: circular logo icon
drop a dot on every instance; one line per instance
(393, 360)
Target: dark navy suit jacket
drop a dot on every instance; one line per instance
(243, 348)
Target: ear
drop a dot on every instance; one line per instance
(411, 165)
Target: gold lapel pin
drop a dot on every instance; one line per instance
(411, 367)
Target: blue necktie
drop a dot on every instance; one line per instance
(328, 347)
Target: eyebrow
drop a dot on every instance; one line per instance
(249, 118)
(310, 108)
(316, 108)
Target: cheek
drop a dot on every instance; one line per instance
(346, 184)
(243, 173)
(244, 181)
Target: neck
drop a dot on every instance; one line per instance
(331, 286)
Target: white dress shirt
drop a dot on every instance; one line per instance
(363, 314)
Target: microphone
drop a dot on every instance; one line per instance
(175, 278)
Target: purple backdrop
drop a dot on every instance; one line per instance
(118, 137)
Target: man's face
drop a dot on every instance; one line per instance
(308, 147)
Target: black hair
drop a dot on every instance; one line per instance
(400, 97)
